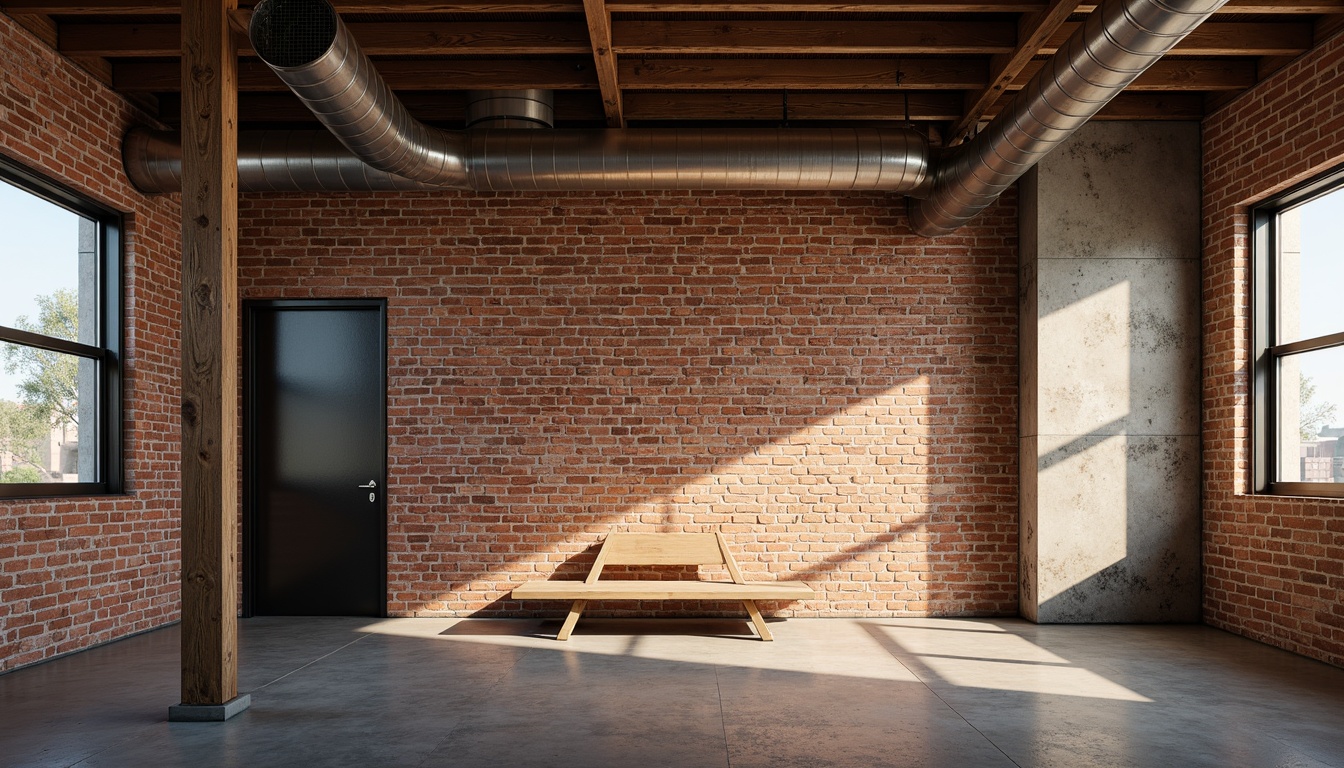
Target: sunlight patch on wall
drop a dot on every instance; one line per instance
(1092, 533)
(1089, 386)
(854, 483)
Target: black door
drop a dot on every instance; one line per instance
(315, 457)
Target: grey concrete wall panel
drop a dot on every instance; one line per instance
(1109, 302)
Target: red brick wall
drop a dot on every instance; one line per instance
(797, 370)
(1273, 568)
(81, 571)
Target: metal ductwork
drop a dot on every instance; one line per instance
(563, 161)
(311, 50)
(530, 108)
(268, 161)
(1120, 40)
(378, 145)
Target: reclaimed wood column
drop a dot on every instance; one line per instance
(209, 361)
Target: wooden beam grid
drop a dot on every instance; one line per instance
(604, 40)
(638, 52)
(70, 8)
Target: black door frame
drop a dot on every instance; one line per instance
(250, 307)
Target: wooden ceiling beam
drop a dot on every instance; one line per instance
(710, 38)
(803, 74)
(462, 6)
(643, 38)
(1033, 30)
(1267, 7)
(1180, 75)
(1221, 38)
(174, 7)
(413, 75)
(804, 106)
(1275, 7)
(257, 109)
(1225, 38)
(377, 39)
(813, 6)
(1154, 106)
(1232, 7)
(1195, 75)
(706, 74)
(92, 7)
(604, 59)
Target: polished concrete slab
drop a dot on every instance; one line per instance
(827, 692)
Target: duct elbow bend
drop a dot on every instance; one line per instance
(310, 49)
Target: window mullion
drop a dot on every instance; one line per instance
(1309, 345)
(50, 343)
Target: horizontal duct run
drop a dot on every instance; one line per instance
(268, 161)
(559, 160)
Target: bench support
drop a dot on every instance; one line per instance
(571, 619)
(757, 620)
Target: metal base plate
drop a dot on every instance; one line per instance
(209, 713)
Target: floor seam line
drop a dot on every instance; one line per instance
(968, 723)
(311, 663)
(947, 704)
(723, 719)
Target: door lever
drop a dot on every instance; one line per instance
(370, 484)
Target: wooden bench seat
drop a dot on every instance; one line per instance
(663, 549)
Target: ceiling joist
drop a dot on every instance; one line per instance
(604, 59)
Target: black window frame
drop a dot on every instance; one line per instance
(1267, 350)
(108, 352)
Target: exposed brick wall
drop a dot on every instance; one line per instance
(80, 571)
(798, 370)
(1274, 568)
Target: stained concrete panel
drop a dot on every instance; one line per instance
(1121, 545)
(1122, 190)
(1118, 347)
(1109, 360)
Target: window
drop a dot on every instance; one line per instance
(60, 340)
(1298, 283)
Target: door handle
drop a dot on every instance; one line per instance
(370, 484)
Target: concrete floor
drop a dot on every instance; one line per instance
(842, 692)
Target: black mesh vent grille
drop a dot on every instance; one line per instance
(291, 33)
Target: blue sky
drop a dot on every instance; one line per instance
(1323, 295)
(40, 243)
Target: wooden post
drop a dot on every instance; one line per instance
(209, 364)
